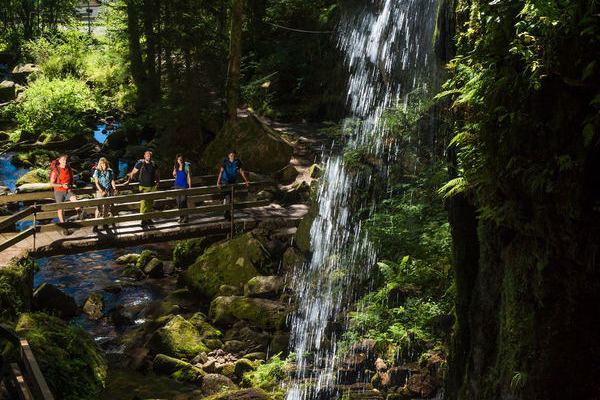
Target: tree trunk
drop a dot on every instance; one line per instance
(135, 53)
(235, 55)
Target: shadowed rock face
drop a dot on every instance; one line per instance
(48, 297)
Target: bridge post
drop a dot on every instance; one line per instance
(34, 222)
(231, 213)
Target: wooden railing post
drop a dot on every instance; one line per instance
(34, 222)
(231, 212)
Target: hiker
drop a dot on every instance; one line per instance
(228, 175)
(149, 180)
(183, 180)
(104, 179)
(61, 179)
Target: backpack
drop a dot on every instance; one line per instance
(142, 169)
(95, 167)
(54, 166)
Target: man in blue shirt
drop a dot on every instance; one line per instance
(228, 175)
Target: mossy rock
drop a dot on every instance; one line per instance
(179, 370)
(245, 394)
(133, 271)
(280, 342)
(227, 369)
(264, 286)
(206, 330)
(130, 258)
(93, 306)
(292, 260)
(242, 366)
(36, 175)
(178, 338)
(16, 288)
(263, 313)
(154, 268)
(145, 258)
(49, 298)
(186, 251)
(302, 236)
(260, 148)
(8, 91)
(215, 383)
(229, 263)
(72, 363)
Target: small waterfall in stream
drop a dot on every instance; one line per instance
(387, 46)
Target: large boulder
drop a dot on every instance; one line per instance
(179, 370)
(263, 313)
(72, 363)
(21, 71)
(36, 175)
(215, 383)
(130, 258)
(229, 263)
(186, 251)
(260, 148)
(8, 91)
(264, 286)
(145, 258)
(154, 268)
(245, 394)
(48, 297)
(178, 338)
(93, 307)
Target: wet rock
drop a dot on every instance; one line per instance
(179, 370)
(245, 394)
(215, 383)
(230, 290)
(178, 338)
(168, 267)
(154, 268)
(292, 260)
(48, 297)
(302, 236)
(263, 313)
(125, 315)
(264, 286)
(128, 259)
(280, 342)
(8, 91)
(260, 148)
(185, 252)
(94, 306)
(145, 258)
(133, 271)
(229, 263)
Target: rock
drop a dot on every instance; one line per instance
(230, 290)
(259, 355)
(145, 258)
(280, 342)
(315, 171)
(16, 287)
(48, 297)
(292, 260)
(234, 346)
(128, 259)
(168, 267)
(264, 286)
(34, 187)
(263, 313)
(122, 316)
(8, 91)
(423, 385)
(302, 236)
(21, 71)
(286, 175)
(200, 358)
(93, 306)
(229, 263)
(260, 148)
(205, 330)
(242, 366)
(179, 370)
(154, 268)
(133, 271)
(5, 190)
(215, 383)
(227, 369)
(275, 248)
(178, 338)
(72, 363)
(210, 366)
(186, 251)
(36, 175)
(267, 194)
(245, 394)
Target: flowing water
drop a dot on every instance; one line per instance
(387, 45)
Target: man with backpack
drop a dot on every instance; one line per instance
(61, 179)
(228, 175)
(149, 180)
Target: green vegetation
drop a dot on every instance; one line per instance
(268, 375)
(16, 288)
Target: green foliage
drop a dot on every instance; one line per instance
(58, 105)
(266, 376)
(185, 252)
(16, 285)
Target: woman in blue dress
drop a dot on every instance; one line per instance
(183, 180)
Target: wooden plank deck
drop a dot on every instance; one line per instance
(131, 233)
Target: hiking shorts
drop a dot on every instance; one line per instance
(63, 195)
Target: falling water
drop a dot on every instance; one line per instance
(387, 46)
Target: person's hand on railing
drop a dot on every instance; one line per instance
(219, 185)
(247, 184)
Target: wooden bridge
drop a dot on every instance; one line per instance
(205, 214)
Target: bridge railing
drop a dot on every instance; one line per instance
(23, 378)
(129, 201)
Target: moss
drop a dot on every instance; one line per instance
(16, 288)
(179, 370)
(133, 271)
(266, 376)
(229, 263)
(206, 330)
(145, 257)
(186, 251)
(37, 175)
(72, 363)
(227, 369)
(263, 313)
(178, 338)
(243, 366)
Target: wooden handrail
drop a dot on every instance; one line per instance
(12, 219)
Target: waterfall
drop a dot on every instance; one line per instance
(387, 45)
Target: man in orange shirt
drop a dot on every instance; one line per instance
(61, 179)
